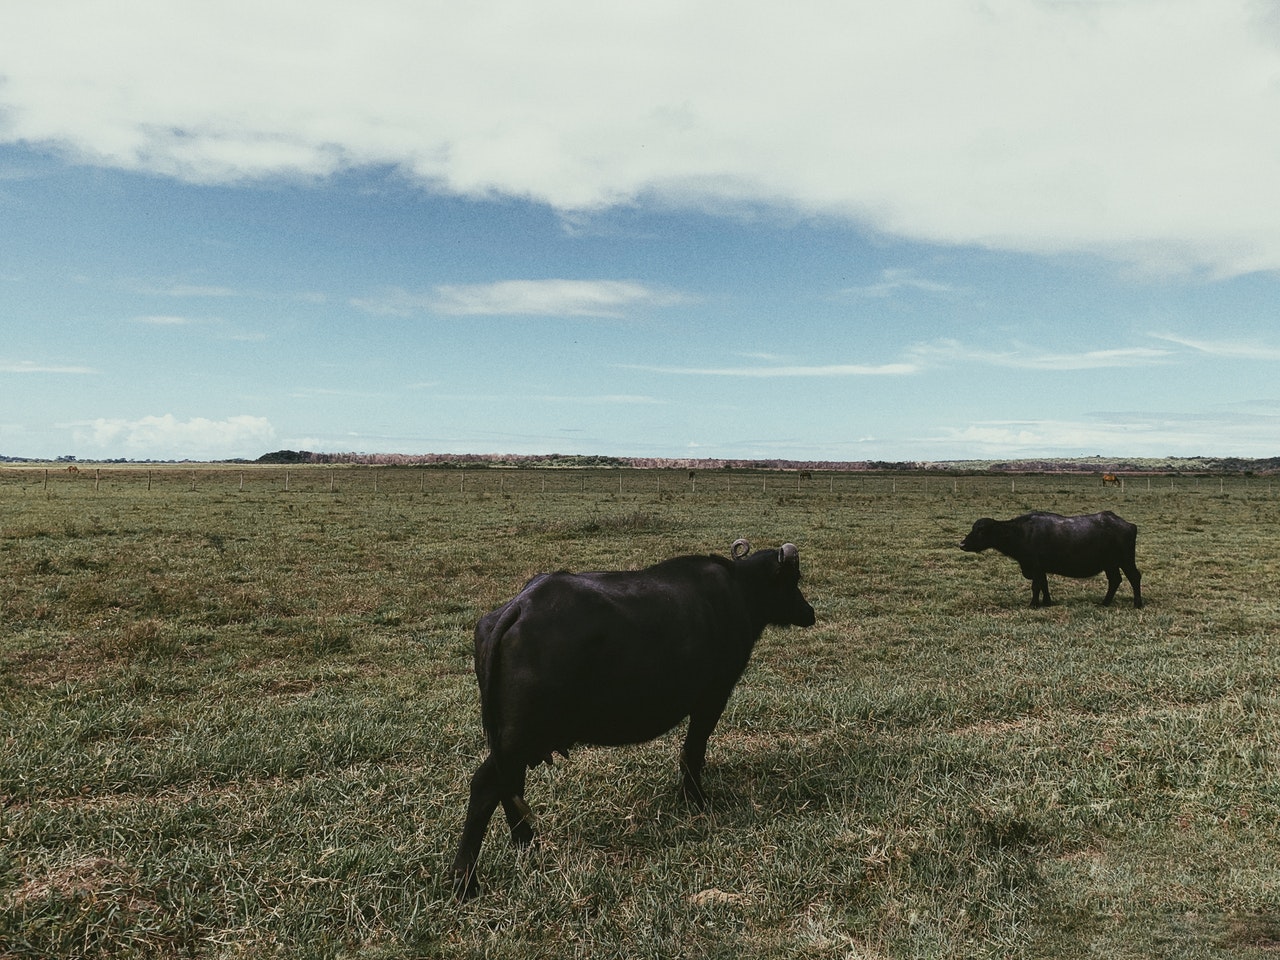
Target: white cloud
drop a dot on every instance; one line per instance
(565, 298)
(787, 370)
(184, 289)
(921, 357)
(1232, 350)
(895, 280)
(1227, 431)
(168, 438)
(946, 352)
(210, 326)
(577, 298)
(1139, 130)
(393, 303)
(1043, 437)
(609, 399)
(31, 366)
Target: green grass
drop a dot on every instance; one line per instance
(239, 720)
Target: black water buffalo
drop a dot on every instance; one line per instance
(1045, 543)
(615, 658)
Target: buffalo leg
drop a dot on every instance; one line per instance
(486, 791)
(1113, 583)
(694, 753)
(1135, 581)
(1040, 590)
(519, 816)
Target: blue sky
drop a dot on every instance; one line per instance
(830, 231)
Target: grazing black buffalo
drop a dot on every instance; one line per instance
(615, 658)
(1045, 543)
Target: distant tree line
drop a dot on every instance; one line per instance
(1030, 465)
(1096, 464)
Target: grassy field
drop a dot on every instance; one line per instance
(239, 719)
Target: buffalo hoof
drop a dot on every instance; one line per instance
(694, 794)
(522, 835)
(521, 819)
(465, 887)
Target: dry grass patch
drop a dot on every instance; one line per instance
(241, 723)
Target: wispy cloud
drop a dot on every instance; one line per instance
(1230, 349)
(764, 357)
(617, 399)
(787, 370)
(931, 355)
(186, 290)
(894, 280)
(1022, 357)
(165, 320)
(578, 298)
(311, 393)
(31, 366)
(211, 327)
(393, 303)
(564, 298)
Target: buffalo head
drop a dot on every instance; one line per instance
(979, 537)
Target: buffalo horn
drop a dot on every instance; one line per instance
(740, 549)
(789, 553)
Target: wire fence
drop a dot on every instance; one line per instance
(89, 480)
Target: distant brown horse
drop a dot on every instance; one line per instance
(1110, 480)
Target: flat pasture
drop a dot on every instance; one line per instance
(238, 719)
